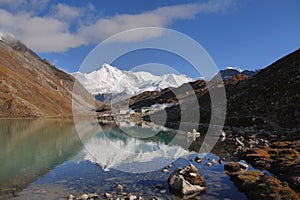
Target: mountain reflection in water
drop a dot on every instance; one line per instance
(48, 159)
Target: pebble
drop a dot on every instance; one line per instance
(198, 160)
(159, 186)
(165, 170)
(223, 134)
(209, 164)
(71, 197)
(132, 197)
(108, 195)
(83, 197)
(93, 196)
(163, 191)
(119, 187)
(213, 161)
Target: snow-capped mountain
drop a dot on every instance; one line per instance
(111, 80)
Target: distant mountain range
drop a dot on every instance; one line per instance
(32, 87)
(109, 80)
(229, 72)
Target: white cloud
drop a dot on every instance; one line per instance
(66, 12)
(67, 27)
(160, 17)
(42, 34)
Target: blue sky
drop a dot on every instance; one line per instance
(249, 34)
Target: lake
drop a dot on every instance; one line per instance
(50, 159)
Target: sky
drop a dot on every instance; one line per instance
(248, 34)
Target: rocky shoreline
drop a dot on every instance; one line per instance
(273, 155)
(276, 151)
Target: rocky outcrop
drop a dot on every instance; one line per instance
(186, 181)
(277, 152)
(257, 185)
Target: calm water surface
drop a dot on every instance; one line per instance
(47, 159)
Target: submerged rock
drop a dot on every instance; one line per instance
(187, 180)
(198, 159)
(165, 170)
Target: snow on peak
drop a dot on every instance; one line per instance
(235, 68)
(111, 80)
(8, 37)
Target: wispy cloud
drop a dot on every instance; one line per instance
(42, 34)
(29, 6)
(65, 26)
(66, 12)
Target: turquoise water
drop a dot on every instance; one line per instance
(47, 159)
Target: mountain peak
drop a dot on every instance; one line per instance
(107, 66)
(13, 42)
(111, 80)
(109, 69)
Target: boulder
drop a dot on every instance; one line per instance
(187, 180)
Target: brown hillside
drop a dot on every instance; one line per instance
(32, 87)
